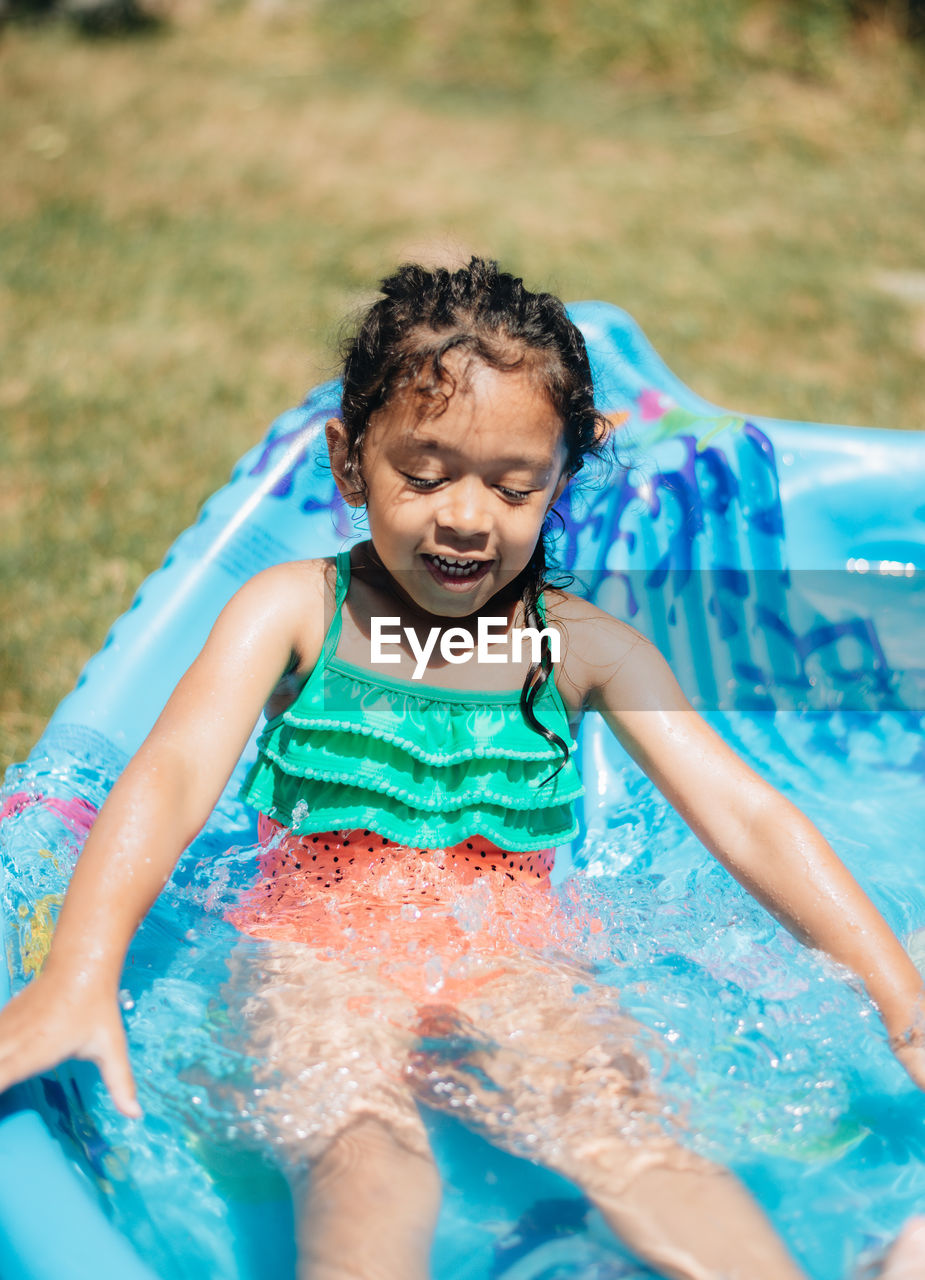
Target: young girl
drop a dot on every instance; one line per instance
(388, 800)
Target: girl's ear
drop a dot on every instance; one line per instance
(346, 477)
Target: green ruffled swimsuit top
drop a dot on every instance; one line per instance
(422, 766)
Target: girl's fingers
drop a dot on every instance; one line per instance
(118, 1079)
(111, 1057)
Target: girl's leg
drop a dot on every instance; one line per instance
(368, 1208)
(906, 1260)
(689, 1224)
(332, 1042)
(559, 1078)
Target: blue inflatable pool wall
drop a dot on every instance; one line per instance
(776, 565)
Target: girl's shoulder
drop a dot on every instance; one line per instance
(586, 624)
(298, 595)
(596, 645)
(309, 580)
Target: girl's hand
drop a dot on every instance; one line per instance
(51, 1021)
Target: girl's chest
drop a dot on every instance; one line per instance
(466, 660)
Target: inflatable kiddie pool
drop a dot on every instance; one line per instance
(781, 569)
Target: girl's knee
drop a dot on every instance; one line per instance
(373, 1152)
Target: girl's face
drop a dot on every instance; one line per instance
(456, 502)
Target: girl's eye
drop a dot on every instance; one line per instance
(426, 485)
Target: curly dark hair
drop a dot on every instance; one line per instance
(403, 340)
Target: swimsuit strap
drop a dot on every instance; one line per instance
(341, 584)
(550, 681)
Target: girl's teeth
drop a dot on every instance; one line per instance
(456, 568)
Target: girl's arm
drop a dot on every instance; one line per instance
(759, 836)
(155, 809)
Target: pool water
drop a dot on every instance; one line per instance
(767, 1058)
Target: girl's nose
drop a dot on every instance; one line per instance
(463, 509)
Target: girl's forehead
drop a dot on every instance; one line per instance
(503, 448)
(537, 445)
(507, 412)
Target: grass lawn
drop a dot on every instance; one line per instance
(186, 219)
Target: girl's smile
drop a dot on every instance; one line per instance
(456, 499)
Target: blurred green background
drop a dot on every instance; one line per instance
(196, 195)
